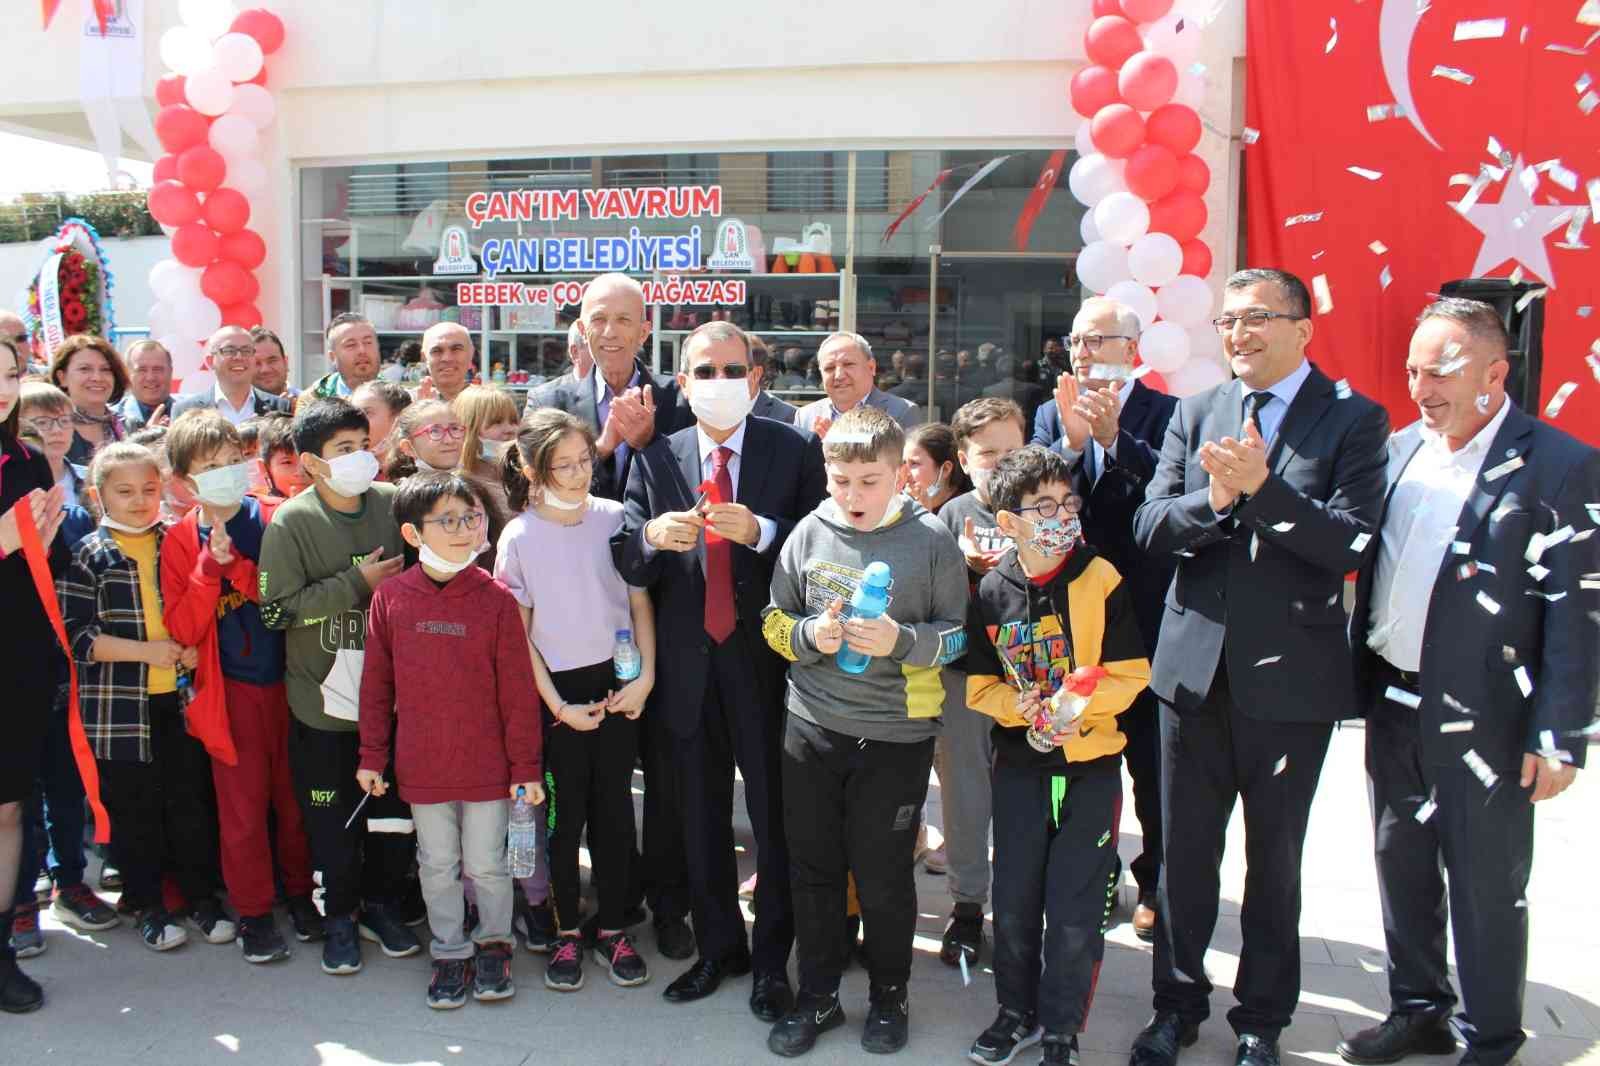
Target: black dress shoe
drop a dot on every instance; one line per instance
(704, 977)
(1256, 1051)
(812, 1016)
(1397, 1036)
(1158, 1043)
(19, 993)
(771, 997)
(674, 938)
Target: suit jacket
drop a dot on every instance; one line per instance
(769, 406)
(1475, 656)
(577, 396)
(133, 413)
(781, 478)
(263, 401)
(1278, 559)
(898, 408)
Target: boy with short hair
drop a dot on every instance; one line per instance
(322, 556)
(1052, 629)
(210, 586)
(47, 411)
(858, 745)
(279, 461)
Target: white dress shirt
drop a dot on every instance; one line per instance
(227, 410)
(1418, 529)
(735, 444)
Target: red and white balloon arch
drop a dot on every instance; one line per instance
(214, 106)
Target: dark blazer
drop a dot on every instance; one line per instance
(1474, 655)
(577, 396)
(781, 478)
(769, 406)
(264, 402)
(1278, 559)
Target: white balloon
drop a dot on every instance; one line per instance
(1204, 342)
(1191, 90)
(159, 320)
(1139, 299)
(1164, 346)
(254, 103)
(163, 275)
(238, 56)
(248, 175)
(1195, 376)
(208, 91)
(1088, 230)
(198, 317)
(1122, 217)
(186, 356)
(1102, 265)
(1155, 259)
(185, 50)
(235, 136)
(1083, 141)
(209, 17)
(1093, 178)
(1174, 36)
(1185, 300)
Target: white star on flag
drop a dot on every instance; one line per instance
(1504, 239)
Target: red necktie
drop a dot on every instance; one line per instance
(720, 615)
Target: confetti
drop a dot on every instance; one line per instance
(1385, 278)
(1548, 1009)
(1594, 512)
(1402, 697)
(1456, 705)
(1479, 768)
(1282, 527)
(1589, 584)
(1588, 102)
(227, 1040)
(1460, 547)
(1559, 400)
(1466, 570)
(1524, 682)
(1560, 536)
(1378, 247)
(1361, 542)
(966, 975)
(1498, 472)
(1333, 24)
(1589, 13)
(1565, 49)
(1343, 391)
(1586, 310)
(1319, 286)
(1281, 765)
(1572, 240)
(1551, 597)
(1594, 364)
(1531, 295)
(1499, 153)
(1538, 573)
(1318, 254)
(1255, 542)
(1470, 198)
(1455, 727)
(1564, 177)
(1372, 961)
(1480, 29)
(1529, 180)
(1583, 83)
(1295, 220)
(1379, 112)
(1250, 135)
(1363, 172)
(1454, 74)
(1428, 807)
(1487, 602)
(1269, 660)
(1592, 187)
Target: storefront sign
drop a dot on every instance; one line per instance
(454, 258)
(732, 248)
(671, 289)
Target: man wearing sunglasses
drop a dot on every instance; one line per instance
(233, 361)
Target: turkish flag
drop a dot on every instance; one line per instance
(1343, 187)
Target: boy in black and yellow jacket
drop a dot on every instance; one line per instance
(1050, 621)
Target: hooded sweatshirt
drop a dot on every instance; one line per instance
(899, 697)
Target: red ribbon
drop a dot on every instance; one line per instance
(915, 203)
(1037, 198)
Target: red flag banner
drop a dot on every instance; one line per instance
(1048, 177)
(916, 202)
(1400, 149)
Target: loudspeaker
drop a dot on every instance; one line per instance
(1525, 327)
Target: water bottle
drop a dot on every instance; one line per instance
(522, 845)
(625, 657)
(871, 599)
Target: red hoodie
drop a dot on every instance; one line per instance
(452, 666)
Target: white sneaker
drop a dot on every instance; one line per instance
(159, 932)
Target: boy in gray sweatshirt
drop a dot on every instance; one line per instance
(858, 746)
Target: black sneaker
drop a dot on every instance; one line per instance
(538, 926)
(888, 1020)
(1009, 1033)
(159, 931)
(308, 922)
(77, 906)
(616, 953)
(447, 988)
(213, 922)
(564, 971)
(19, 993)
(963, 936)
(341, 949)
(1060, 1049)
(796, 1033)
(382, 927)
(491, 978)
(260, 940)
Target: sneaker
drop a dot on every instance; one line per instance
(159, 931)
(341, 950)
(616, 953)
(1060, 1050)
(796, 1033)
(19, 993)
(1009, 1033)
(27, 939)
(564, 971)
(382, 927)
(212, 921)
(77, 906)
(42, 887)
(110, 879)
(308, 922)
(963, 936)
(888, 1020)
(491, 978)
(538, 926)
(447, 988)
(936, 862)
(260, 940)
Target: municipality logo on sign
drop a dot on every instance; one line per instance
(732, 248)
(454, 257)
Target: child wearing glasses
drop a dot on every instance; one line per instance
(555, 557)
(1053, 656)
(447, 698)
(426, 438)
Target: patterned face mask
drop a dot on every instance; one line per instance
(1055, 536)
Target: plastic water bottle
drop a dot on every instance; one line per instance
(870, 600)
(625, 657)
(522, 845)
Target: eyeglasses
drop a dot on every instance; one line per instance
(437, 432)
(566, 470)
(1253, 320)
(1093, 341)
(455, 523)
(734, 371)
(232, 351)
(1048, 508)
(42, 423)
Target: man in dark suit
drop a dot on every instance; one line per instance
(719, 688)
(1268, 490)
(234, 395)
(1477, 672)
(1111, 436)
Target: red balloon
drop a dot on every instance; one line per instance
(166, 169)
(245, 248)
(1110, 40)
(243, 315)
(201, 168)
(1152, 172)
(180, 126)
(1101, 8)
(261, 24)
(194, 245)
(226, 211)
(1193, 174)
(1147, 80)
(1145, 10)
(169, 90)
(1181, 215)
(226, 283)
(1092, 88)
(172, 203)
(1175, 127)
(1117, 130)
(1196, 258)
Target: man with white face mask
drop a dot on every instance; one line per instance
(708, 509)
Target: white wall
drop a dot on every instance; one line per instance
(130, 260)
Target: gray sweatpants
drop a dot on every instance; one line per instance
(964, 756)
(470, 837)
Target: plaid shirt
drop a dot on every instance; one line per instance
(99, 593)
